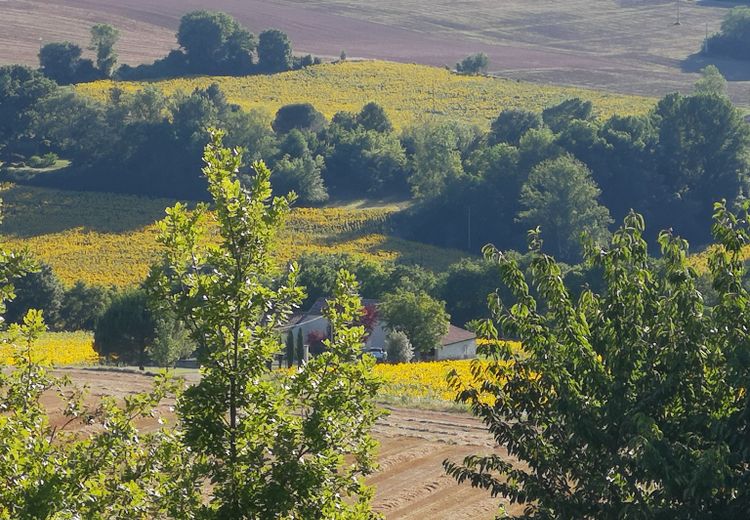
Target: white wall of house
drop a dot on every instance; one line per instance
(461, 350)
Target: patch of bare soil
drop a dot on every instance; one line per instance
(410, 484)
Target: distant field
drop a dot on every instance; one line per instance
(110, 239)
(408, 92)
(632, 46)
(58, 348)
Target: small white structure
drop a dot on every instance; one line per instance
(458, 343)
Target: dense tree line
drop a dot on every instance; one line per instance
(211, 43)
(563, 169)
(733, 39)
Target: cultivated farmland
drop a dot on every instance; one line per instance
(109, 239)
(408, 92)
(623, 45)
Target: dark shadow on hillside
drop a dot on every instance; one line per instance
(732, 70)
(30, 209)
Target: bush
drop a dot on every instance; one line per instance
(474, 64)
(126, 328)
(40, 289)
(301, 116)
(398, 347)
(45, 161)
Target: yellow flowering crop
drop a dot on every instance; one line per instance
(58, 348)
(408, 92)
(109, 239)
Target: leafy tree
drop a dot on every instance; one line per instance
(61, 62)
(700, 158)
(557, 117)
(300, 171)
(126, 328)
(301, 116)
(38, 289)
(734, 38)
(373, 117)
(274, 51)
(365, 161)
(561, 198)
(632, 400)
(466, 287)
(214, 42)
(398, 347)
(711, 82)
(290, 350)
(511, 125)
(20, 90)
(83, 305)
(295, 448)
(422, 318)
(103, 40)
(171, 342)
(436, 158)
(474, 64)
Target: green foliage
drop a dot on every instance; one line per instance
(62, 62)
(103, 40)
(83, 305)
(373, 117)
(511, 125)
(271, 449)
(274, 51)
(632, 400)
(711, 82)
(20, 90)
(559, 116)
(171, 342)
(422, 318)
(474, 64)
(399, 347)
(561, 198)
(126, 328)
(300, 116)
(214, 42)
(38, 289)
(436, 159)
(734, 38)
(300, 171)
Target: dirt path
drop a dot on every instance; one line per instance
(411, 483)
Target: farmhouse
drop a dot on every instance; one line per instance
(458, 343)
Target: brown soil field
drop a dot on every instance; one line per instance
(411, 483)
(632, 46)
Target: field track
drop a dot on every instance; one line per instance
(411, 484)
(630, 46)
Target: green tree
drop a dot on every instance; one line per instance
(58, 61)
(561, 198)
(373, 117)
(38, 289)
(511, 125)
(301, 116)
(399, 347)
(632, 400)
(474, 64)
(557, 117)
(274, 51)
(103, 40)
(21, 89)
(701, 157)
(422, 318)
(711, 82)
(295, 448)
(83, 305)
(126, 328)
(436, 158)
(171, 341)
(214, 42)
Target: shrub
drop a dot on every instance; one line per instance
(398, 347)
(474, 64)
